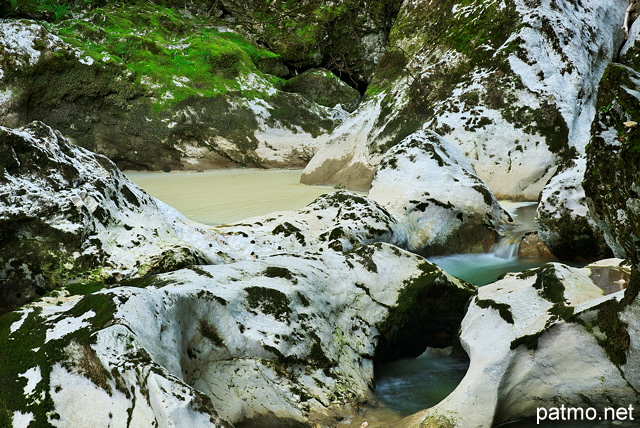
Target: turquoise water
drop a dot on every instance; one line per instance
(408, 386)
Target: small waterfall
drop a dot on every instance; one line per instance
(507, 246)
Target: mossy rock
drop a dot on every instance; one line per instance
(324, 88)
(430, 310)
(314, 33)
(145, 84)
(612, 158)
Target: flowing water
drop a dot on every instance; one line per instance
(407, 386)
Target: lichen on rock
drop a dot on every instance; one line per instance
(507, 82)
(552, 311)
(564, 221)
(194, 82)
(68, 214)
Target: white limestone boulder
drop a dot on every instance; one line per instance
(512, 84)
(539, 339)
(338, 221)
(68, 214)
(563, 219)
(289, 338)
(433, 191)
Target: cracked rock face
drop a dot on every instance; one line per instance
(66, 213)
(287, 338)
(511, 83)
(539, 338)
(433, 191)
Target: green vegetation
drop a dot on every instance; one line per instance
(173, 54)
(210, 331)
(429, 311)
(279, 272)
(502, 308)
(268, 301)
(26, 348)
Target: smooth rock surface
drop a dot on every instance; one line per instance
(433, 191)
(288, 338)
(522, 334)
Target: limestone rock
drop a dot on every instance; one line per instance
(288, 338)
(66, 213)
(613, 155)
(338, 221)
(563, 219)
(531, 246)
(512, 83)
(159, 101)
(540, 338)
(432, 189)
(323, 88)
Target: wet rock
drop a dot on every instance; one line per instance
(283, 339)
(433, 191)
(531, 246)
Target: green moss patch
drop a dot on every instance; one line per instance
(26, 348)
(502, 308)
(279, 272)
(429, 311)
(268, 301)
(176, 55)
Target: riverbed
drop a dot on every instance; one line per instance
(403, 387)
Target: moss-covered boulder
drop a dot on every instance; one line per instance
(563, 219)
(348, 37)
(67, 214)
(540, 338)
(323, 88)
(284, 339)
(156, 88)
(511, 83)
(433, 191)
(613, 156)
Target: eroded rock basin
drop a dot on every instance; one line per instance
(403, 387)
